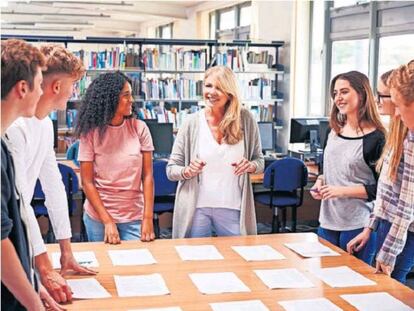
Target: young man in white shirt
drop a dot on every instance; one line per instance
(31, 144)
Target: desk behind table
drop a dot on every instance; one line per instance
(183, 292)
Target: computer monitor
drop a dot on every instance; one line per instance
(306, 130)
(162, 138)
(267, 135)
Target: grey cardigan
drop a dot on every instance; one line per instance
(185, 149)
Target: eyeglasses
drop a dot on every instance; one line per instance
(379, 96)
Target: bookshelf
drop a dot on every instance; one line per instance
(167, 74)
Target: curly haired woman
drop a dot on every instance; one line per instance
(116, 158)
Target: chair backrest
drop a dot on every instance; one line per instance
(72, 153)
(289, 174)
(163, 186)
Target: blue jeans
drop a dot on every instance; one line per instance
(96, 230)
(224, 221)
(341, 239)
(405, 260)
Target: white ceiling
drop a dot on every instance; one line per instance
(89, 17)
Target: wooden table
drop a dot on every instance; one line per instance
(184, 293)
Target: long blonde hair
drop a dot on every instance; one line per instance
(367, 110)
(394, 143)
(230, 126)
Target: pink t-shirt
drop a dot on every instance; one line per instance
(117, 160)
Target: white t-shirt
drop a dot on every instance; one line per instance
(219, 186)
(30, 142)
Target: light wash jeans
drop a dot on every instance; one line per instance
(96, 230)
(224, 221)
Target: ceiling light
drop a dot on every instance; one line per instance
(63, 25)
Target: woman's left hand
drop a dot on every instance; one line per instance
(383, 268)
(243, 166)
(147, 230)
(330, 192)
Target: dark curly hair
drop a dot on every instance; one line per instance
(100, 102)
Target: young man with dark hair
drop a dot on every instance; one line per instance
(21, 79)
(31, 141)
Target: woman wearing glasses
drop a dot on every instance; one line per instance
(348, 185)
(395, 233)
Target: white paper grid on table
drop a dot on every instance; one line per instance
(86, 259)
(216, 283)
(379, 301)
(131, 257)
(283, 278)
(198, 252)
(245, 305)
(342, 276)
(87, 288)
(317, 304)
(311, 249)
(140, 285)
(258, 253)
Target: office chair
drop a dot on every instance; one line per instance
(70, 180)
(164, 193)
(284, 177)
(72, 153)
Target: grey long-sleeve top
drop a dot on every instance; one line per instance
(185, 150)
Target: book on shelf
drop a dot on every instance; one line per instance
(171, 89)
(174, 59)
(262, 113)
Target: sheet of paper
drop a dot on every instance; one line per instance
(216, 283)
(317, 304)
(140, 285)
(258, 253)
(87, 259)
(246, 305)
(160, 309)
(88, 288)
(131, 257)
(379, 301)
(198, 252)
(342, 276)
(283, 278)
(311, 249)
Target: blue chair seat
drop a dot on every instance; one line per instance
(280, 199)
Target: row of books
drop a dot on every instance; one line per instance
(172, 88)
(259, 88)
(193, 60)
(242, 60)
(262, 113)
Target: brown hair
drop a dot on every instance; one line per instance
(60, 60)
(19, 61)
(402, 79)
(230, 126)
(385, 76)
(367, 110)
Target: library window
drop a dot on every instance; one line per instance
(231, 23)
(227, 20)
(245, 16)
(165, 31)
(349, 55)
(394, 51)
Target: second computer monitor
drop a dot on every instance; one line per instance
(267, 135)
(162, 138)
(308, 130)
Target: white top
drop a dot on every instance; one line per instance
(219, 186)
(30, 141)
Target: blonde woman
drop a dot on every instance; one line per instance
(393, 215)
(349, 183)
(213, 154)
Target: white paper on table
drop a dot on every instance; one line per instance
(246, 305)
(258, 253)
(140, 285)
(131, 257)
(216, 283)
(88, 288)
(198, 252)
(311, 249)
(342, 276)
(86, 259)
(380, 301)
(284, 278)
(159, 309)
(317, 304)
